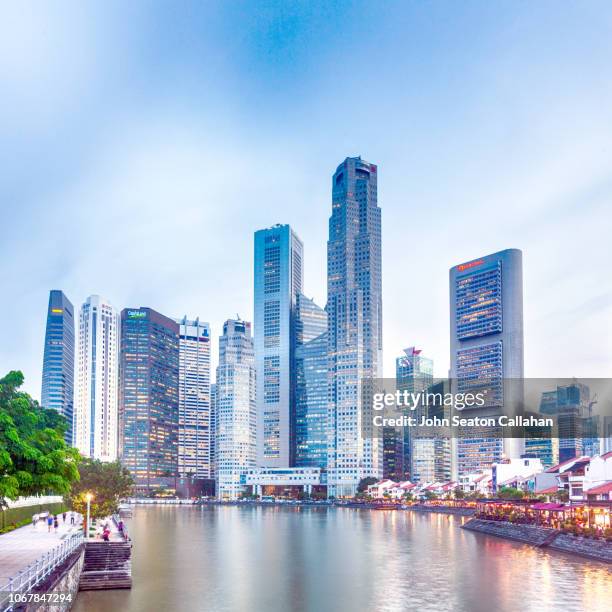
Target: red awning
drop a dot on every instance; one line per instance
(550, 506)
(604, 488)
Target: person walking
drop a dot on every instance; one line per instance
(64, 517)
(55, 523)
(49, 522)
(34, 520)
(72, 518)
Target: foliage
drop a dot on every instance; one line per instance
(34, 458)
(459, 493)
(510, 493)
(107, 482)
(364, 483)
(430, 495)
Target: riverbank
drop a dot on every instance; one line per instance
(544, 537)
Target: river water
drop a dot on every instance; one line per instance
(268, 559)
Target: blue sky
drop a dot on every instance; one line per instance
(144, 144)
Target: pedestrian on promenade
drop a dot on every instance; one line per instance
(72, 518)
(64, 516)
(55, 523)
(34, 520)
(49, 522)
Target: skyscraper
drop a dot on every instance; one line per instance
(413, 373)
(278, 281)
(194, 417)
(58, 360)
(310, 384)
(486, 324)
(354, 308)
(235, 408)
(148, 398)
(97, 394)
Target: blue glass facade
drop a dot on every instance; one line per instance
(149, 397)
(278, 280)
(310, 371)
(58, 360)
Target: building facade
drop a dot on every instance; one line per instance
(58, 360)
(149, 398)
(354, 308)
(486, 326)
(97, 389)
(278, 280)
(310, 385)
(235, 409)
(413, 373)
(194, 415)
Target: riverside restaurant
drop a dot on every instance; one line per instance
(590, 519)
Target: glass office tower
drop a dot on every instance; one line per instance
(354, 309)
(194, 418)
(149, 398)
(97, 393)
(486, 322)
(58, 360)
(235, 409)
(311, 385)
(278, 281)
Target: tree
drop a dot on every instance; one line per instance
(510, 493)
(107, 482)
(459, 493)
(34, 458)
(430, 495)
(364, 483)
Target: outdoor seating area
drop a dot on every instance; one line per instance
(590, 519)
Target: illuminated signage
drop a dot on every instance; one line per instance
(137, 314)
(57, 310)
(472, 264)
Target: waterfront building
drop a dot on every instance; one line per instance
(486, 324)
(278, 281)
(354, 308)
(525, 467)
(149, 398)
(58, 359)
(97, 388)
(235, 409)
(213, 430)
(310, 385)
(409, 456)
(194, 413)
(285, 482)
(542, 445)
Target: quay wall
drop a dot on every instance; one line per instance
(544, 537)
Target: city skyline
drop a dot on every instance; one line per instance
(496, 148)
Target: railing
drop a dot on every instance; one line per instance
(36, 572)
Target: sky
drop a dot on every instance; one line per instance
(143, 144)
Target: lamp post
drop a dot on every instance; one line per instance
(88, 497)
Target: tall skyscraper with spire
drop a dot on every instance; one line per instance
(97, 394)
(58, 360)
(354, 308)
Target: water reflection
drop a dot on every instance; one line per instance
(318, 559)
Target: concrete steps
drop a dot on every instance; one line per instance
(107, 565)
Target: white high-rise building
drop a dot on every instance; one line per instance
(194, 423)
(235, 409)
(354, 310)
(97, 380)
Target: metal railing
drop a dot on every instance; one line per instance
(31, 576)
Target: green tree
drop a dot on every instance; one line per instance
(430, 495)
(34, 458)
(364, 483)
(459, 493)
(510, 493)
(107, 482)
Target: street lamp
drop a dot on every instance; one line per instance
(88, 497)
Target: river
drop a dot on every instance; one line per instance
(268, 559)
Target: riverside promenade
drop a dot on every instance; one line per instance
(23, 546)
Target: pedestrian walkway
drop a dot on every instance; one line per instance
(21, 547)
